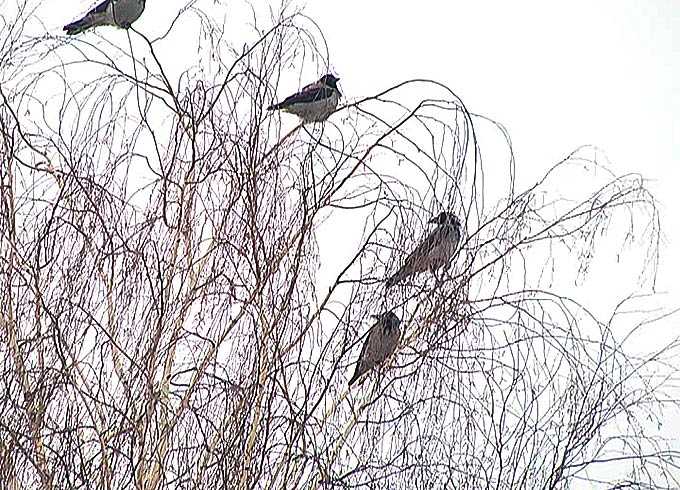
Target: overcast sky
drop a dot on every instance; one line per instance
(557, 75)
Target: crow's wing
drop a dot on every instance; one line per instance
(305, 96)
(365, 362)
(90, 19)
(416, 262)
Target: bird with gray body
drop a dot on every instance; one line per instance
(433, 252)
(315, 102)
(119, 13)
(381, 342)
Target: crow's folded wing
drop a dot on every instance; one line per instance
(416, 262)
(306, 96)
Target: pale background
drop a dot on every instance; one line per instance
(557, 75)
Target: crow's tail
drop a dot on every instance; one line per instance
(398, 276)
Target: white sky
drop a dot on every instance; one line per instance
(557, 74)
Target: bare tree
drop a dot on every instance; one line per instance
(186, 280)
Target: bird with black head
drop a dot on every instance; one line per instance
(434, 252)
(315, 102)
(381, 342)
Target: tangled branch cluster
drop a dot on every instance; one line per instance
(185, 281)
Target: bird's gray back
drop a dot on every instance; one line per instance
(437, 247)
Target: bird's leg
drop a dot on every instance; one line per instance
(437, 280)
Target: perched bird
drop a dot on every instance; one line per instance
(380, 343)
(433, 252)
(315, 102)
(119, 13)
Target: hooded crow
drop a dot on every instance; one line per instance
(381, 342)
(433, 252)
(314, 103)
(119, 13)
